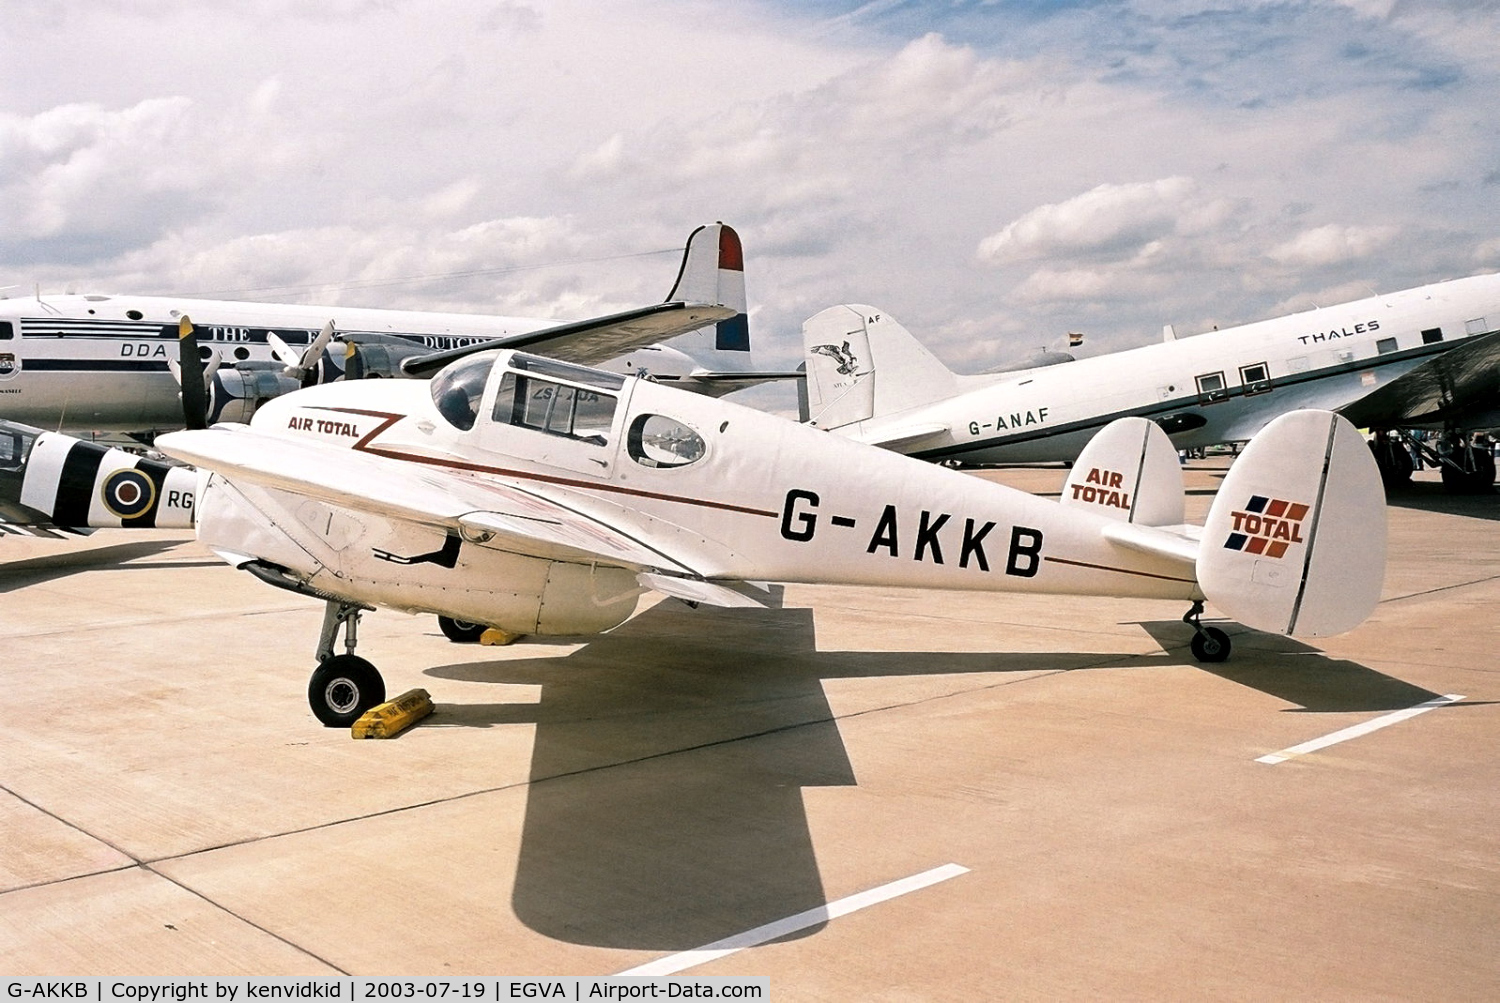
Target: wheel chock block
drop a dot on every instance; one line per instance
(499, 638)
(389, 719)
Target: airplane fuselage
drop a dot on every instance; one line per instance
(1215, 387)
(719, 491)
(99, 363)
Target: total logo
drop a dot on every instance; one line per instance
(1266, 526)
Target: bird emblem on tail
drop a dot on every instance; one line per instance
(843, 357)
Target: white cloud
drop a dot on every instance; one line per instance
(1152, 161)
(1112, 219)
(1330, 244)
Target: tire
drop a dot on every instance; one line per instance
(461, 631)
(1478, 475)
(343, 688)
(1394, 462)
(1211, 645)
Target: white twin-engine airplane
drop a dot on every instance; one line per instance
(1424, 357)
(540, 497)
(102, 363)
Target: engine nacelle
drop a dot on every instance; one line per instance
(368, 558)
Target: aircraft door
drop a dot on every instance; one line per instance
(554, 413)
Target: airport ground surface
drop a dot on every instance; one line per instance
(170, 807)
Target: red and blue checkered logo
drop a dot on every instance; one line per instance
(1266, 526)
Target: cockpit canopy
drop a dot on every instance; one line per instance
(559, 399)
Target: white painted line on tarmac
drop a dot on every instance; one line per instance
(674, 963)
(1384, 721)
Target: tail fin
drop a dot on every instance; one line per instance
(1129, 471)
(713, 271)
(1295, 540)
(844, 345)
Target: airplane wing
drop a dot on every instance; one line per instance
(1464, 377)
(493, 513)
(710, 290)
(590, 342)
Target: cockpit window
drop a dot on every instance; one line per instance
(6, 331)
(566, 371)
(556, 408)
(456, 389)
(658, 441)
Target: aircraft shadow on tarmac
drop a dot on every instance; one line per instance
(1429, 496)
(665, 805)
(36, 570)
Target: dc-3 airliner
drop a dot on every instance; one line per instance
(541, 497)
(104, 362)
(1427, 357)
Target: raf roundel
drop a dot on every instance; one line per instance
(128, 493)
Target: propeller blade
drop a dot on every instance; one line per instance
(189, 373)
(283, 353)
(353, 368)
(315, 350)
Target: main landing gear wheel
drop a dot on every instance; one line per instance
(461, 631)
(1210, 644)
(343, 688)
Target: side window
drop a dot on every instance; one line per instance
(1432, 336)
(658, 441)
(1256, 378)
(1211, 387)
(1385, 346)
(6, 331)
(556, 408)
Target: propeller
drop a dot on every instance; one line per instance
(189, 372)
(302, 366)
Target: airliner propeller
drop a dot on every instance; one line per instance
(192, 376)
(301, 366)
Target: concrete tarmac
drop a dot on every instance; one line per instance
(168, 805)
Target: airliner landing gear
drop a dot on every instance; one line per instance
(1210, 644)
(343, 686)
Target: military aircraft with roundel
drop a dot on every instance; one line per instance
(530, 496)
(1423, 358)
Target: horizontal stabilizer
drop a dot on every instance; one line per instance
(1129, 472)
(1174, 544)
(1295, 540)
(906, 434)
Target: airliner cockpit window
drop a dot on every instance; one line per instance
(6, 333)
(555, 408)
(456, 390)
(658, 441)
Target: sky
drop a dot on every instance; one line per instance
(991, 173)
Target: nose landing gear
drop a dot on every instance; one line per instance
(343, 686)
(1210, 644)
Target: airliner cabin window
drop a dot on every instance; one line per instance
(556, 408)
(1210, 383)
(456, 390)
(658, 441)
